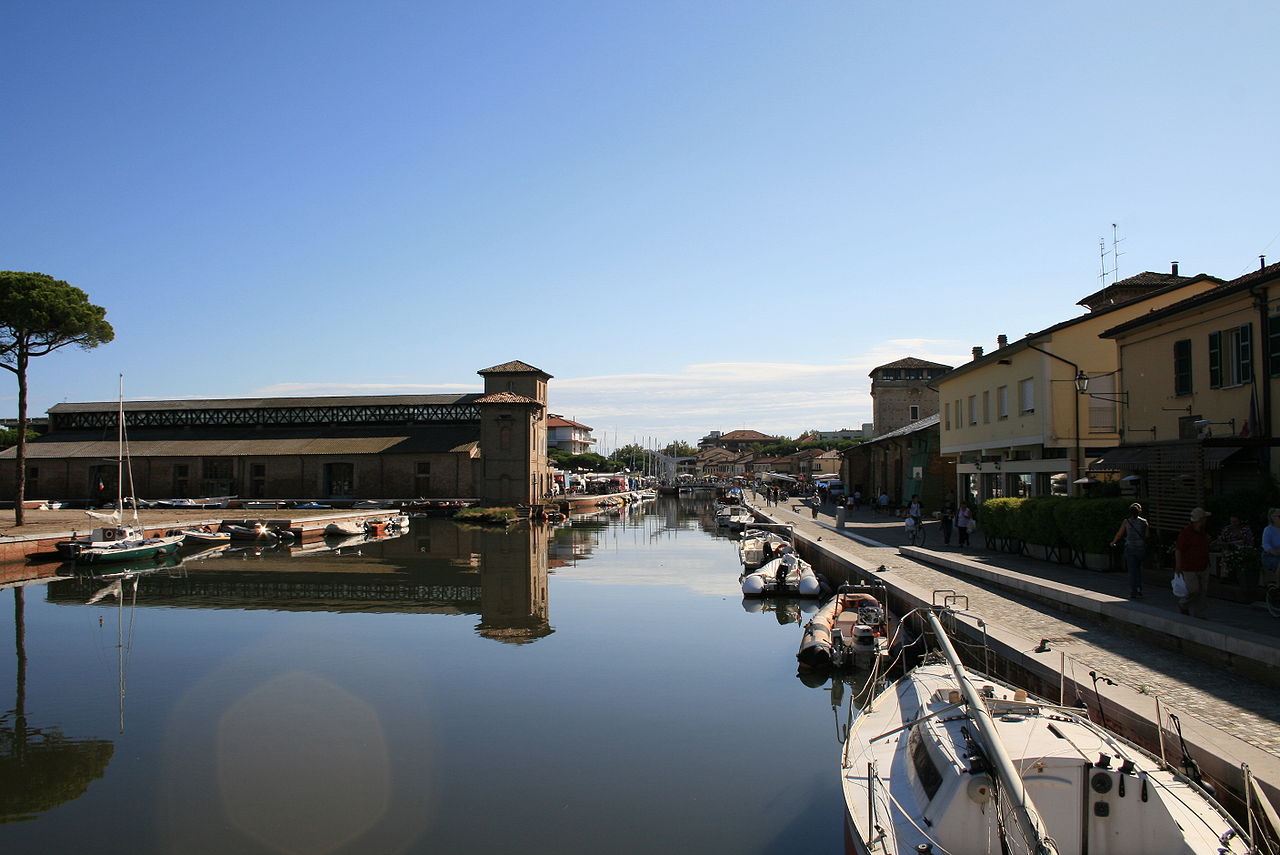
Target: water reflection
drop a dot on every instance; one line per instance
(786, 609)
(40, 767)
(438, 567)
(348, 697)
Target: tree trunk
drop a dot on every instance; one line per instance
(20, 473)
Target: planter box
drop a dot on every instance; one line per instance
(1104, 562)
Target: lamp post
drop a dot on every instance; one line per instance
(1078, 463)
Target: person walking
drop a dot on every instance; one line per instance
(884, 502)
(964, 523)
(947, 517)
(1134, 532)
(1271, 547)
(1191, 559)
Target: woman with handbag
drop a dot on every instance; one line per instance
(1134, 531)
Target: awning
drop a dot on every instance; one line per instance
(779, 476)
(1123, 457)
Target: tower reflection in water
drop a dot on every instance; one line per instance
(437, 567)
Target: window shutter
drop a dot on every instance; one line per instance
(1246, 353)
(1215, 360)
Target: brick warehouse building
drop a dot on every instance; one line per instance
(490, 446)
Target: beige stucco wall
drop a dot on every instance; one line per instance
(1147, 370)
(1059, 419)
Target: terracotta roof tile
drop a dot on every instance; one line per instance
(912, 362)
(513, 367)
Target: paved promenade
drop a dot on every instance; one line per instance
(1103, 631)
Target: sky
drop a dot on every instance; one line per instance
(695, 215)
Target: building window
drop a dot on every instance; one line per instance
(1182, 367)
(33, 480)
(1002, 402)
(1102, 412)
(1273, 345)
(986, 408)
(1027, 395)
(1231, 356)
(915, 413)
(1020, 486)
(946, 416)
(973, 409)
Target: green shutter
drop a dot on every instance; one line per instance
(1246, 353)
(1215, 360)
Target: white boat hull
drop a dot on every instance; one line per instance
(925, 783)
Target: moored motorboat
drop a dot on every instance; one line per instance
(253, 531)
(786, 575)
(202, 536)
(758, 546)
(949, 760)
(850, 630)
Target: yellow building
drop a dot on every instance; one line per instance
(1198, 379)
(1013, 419)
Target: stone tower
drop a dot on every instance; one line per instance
(513, 468)
(901, 393)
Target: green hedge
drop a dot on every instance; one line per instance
(1084, 524)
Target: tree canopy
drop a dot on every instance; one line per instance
(38, 315)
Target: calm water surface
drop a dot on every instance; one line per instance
(595, 687)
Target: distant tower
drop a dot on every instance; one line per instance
(513, 467)
(900, 393)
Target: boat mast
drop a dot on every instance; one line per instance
(120, 453)
(1028, 817)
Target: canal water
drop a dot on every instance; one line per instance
(594, 687)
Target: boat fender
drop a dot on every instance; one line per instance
(979, 789)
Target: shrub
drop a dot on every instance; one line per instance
(1038, 521)
(998, 517)
(1089, 524)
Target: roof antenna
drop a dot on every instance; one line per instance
(1115, 254)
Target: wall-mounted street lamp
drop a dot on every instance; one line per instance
(1082, 387)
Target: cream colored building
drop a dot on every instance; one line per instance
(1199, 379)
(1013, 420)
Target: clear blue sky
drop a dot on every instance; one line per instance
(696, 215)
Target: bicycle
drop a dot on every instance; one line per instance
(1272, 598)
(915, 531)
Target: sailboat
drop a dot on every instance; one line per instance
(113, 540)
(947, 760)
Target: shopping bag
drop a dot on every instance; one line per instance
(1179, 586)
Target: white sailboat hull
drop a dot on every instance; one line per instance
(926, 783)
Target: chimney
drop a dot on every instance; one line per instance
(1262, 261)
(1002, 341)
(1175, 268)
(977, 353)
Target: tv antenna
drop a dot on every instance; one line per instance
(1114, 254)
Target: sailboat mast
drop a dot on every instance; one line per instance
(1027, 816)
(120, 450)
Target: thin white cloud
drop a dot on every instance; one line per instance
(779, 398)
